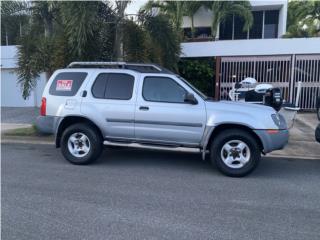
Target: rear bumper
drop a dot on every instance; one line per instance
(274, 140)
(47, 124)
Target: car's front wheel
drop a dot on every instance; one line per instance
(235, 152)
(318, 107)
(81, 143)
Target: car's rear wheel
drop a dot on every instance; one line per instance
(81, 143)
(235, 152)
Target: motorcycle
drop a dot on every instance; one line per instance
(249, 91)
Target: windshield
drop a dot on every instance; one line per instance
(202, 95)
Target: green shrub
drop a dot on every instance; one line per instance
(200, 73)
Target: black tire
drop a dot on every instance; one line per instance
(95, 140)
(318, 108)
(235, 135)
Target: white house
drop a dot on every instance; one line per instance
(260, 53)
(11, 94)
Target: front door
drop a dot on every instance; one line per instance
(162, 115)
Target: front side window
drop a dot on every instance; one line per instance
(113, 86)
(162, 89)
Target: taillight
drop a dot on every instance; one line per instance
(43, 107)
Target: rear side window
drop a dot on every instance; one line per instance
(113, 86)
(67, 83)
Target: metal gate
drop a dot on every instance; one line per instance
(280, 71)
(307, 70)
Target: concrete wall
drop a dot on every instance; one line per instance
(202, 18)
(254, 47)
(282, 27)
(11, 94)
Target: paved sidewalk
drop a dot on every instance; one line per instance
(19, 115)
(11, 126)
(302, 141)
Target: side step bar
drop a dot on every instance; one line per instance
(149, 146)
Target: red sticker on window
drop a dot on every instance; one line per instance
(64, 85)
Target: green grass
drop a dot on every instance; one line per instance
(28, 131)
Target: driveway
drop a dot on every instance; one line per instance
(140, 194)
(19, 115)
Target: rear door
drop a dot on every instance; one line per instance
(110, 103)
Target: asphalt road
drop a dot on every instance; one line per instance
(139, 194)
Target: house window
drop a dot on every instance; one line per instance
(238, 28)
(265, 25)
(202, 32)
(199, 32)
(256, 29)
(226, 29)
(271, 20)
(187, 32)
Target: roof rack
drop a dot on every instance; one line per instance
(139, 67)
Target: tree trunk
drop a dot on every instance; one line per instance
(48, 27)
(192, 27)
(217, 33)
(118, 53)
(118, 44)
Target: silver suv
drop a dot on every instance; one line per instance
(89, 104)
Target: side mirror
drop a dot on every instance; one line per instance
(189, 98)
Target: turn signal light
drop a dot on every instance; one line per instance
(43, 107)
(272, 131)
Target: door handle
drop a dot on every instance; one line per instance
(143, 108)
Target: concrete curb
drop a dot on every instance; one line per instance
(47, 140)
(296, 157)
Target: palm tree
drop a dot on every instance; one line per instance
(120, 15)
(303, 19)
(190, 8)
(221, 10)
(173, 9)
(163, 41)
(13, 16)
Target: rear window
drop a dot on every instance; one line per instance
(113, 86)
(67, 83)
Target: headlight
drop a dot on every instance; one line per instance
(276, 119)
(279, 121)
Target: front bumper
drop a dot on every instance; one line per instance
(47, 124)
(273, 139)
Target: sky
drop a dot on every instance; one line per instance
(134, 6)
